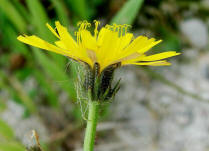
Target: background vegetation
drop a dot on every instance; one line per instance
(43, 83)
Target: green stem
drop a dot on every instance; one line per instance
(91, 126)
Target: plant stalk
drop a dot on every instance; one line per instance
(91, 126)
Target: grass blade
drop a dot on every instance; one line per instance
(128, 12)
(80, 8)
(61, 11)
(10, 11)
(6, 131)
(11, 146)
(21, 9)
(9, 38)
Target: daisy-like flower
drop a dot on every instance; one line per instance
(109, 45)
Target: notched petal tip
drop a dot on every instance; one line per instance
(22, 38)
(19, 37)
(52, 30)
(57, 22)
(178, 53)
(158, 41)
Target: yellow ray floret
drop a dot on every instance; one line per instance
(109, 45)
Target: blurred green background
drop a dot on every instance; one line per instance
(42, 83)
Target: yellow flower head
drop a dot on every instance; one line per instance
(110, 45)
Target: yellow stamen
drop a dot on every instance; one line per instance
(96, 28)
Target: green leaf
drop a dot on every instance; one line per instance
(11, 38)
(128, 12)
(61, 11)
(21, 9)
(6, 131)
(13, 15)
(11, 146)
(80, 8)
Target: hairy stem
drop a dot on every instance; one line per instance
(91, 126)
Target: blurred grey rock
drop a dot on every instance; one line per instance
(196, 31)
(129, 94)
(190, 53)
(14, 116)
(13, 113)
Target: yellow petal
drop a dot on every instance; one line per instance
(39, 43)
(121, 44)
(111, 46)
(140, 45)
(52, 30)
(125, 40)
(66, 37)
(107, 46)
(70, 43)
(159, 56)
(88, 40)
(148, 46)
(136, 45)
(101, 36)
(135, 57)
(154, 63)
(60, 44)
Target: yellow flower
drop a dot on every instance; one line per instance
(109, 45)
